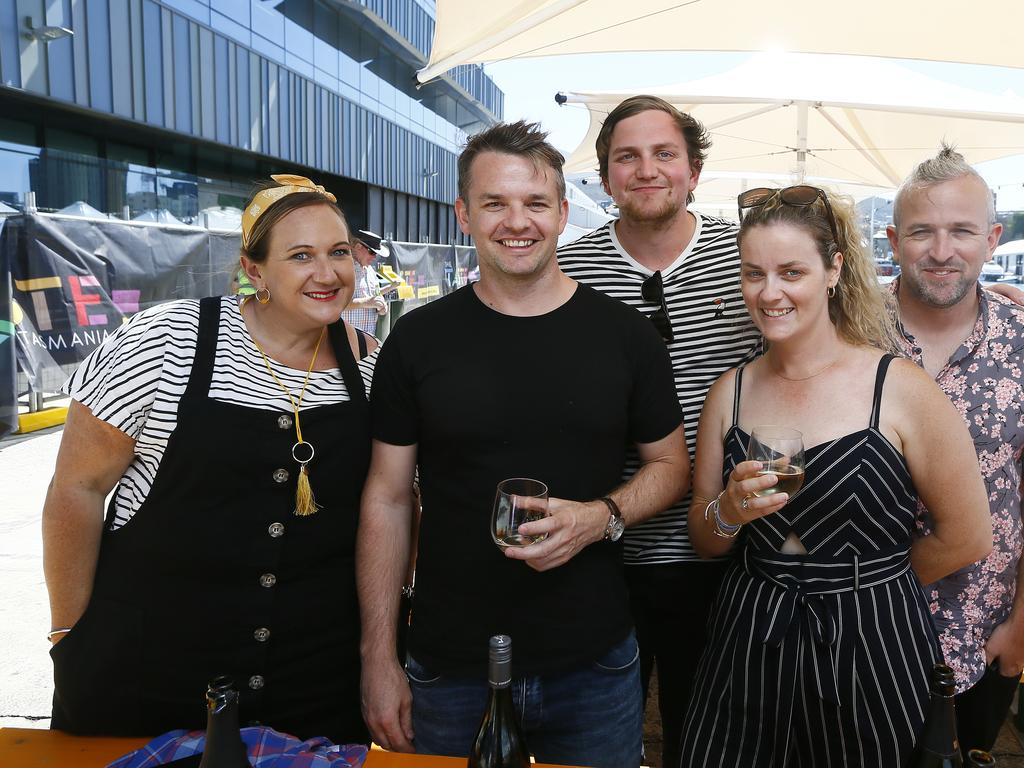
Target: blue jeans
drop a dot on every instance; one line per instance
(591, 715)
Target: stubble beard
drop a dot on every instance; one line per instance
(939, 298)
(650, 216)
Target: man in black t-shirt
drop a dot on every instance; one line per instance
(523, 374)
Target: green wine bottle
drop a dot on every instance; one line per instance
(499, 742)
(938, 747)
(224, 747)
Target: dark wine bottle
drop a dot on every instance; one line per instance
(499, 742)
(938, 747)
(979, 758)
(224, 746)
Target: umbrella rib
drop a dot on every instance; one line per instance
(886, 172)
(864, 179)
(747, 115)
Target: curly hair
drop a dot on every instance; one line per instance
(861, 307)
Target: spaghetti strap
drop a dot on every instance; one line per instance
(876, 402)
(736, 396)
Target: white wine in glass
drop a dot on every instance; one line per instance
(781, 453)
(518, 500)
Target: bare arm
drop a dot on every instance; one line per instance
(376, 303)
(93, 456)
(1016, 295)
(382, 554)
(944, 467)
(707, 477)
(662, 479)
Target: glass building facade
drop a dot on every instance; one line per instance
(181, 104)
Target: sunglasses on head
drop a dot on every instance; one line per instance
(653, 290)
(799, 196)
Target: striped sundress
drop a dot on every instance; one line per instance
(819, 659)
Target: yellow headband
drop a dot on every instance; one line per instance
(267, 197)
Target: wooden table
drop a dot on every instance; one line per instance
(39, 748)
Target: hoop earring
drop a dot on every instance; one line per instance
(830, 291)
(264, 297)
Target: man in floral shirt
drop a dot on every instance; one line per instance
(972, 342)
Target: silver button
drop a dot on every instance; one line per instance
(276, 530)
(268, 580)
(256, 682)
(284, 421)
(280, 475)
(261, 634)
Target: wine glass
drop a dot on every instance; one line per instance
(518, 500)
(781, 453)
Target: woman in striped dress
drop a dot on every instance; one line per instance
(821, 643)
(235, 438)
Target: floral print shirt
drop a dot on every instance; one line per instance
(984, 379)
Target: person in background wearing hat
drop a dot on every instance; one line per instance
(367, 302)
(235, 436)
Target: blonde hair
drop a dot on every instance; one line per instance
(947, 165)
(861, 309)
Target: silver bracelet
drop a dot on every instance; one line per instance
(53, 632)
(721, 528)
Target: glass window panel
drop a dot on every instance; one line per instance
(14, 172)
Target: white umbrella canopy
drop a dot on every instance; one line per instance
(854, 120)
(468, 31)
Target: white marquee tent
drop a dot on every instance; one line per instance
(982, 32)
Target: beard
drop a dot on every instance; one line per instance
(938, 296)
(652, 215)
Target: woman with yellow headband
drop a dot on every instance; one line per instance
(235, 437)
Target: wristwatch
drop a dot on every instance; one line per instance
(616, 525)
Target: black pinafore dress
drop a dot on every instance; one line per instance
(216, 575)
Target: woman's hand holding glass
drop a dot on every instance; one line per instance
(762, 485)
(740, 502)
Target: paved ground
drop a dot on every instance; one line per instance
(26, 687)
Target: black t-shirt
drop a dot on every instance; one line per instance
(488, 396)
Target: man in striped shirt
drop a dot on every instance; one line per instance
(681, 269)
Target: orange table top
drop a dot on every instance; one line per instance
(39, 748)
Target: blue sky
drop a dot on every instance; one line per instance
(530, 86)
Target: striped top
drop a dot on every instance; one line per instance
(712, 330)
(820, 659)
(135, 379)
(857, 498)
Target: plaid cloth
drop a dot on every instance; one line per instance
(366, 284)
(267, 748)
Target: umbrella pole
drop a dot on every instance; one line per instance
(801, 140)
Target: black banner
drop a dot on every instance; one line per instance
(77, 280)
(431, 270)
(8, 364)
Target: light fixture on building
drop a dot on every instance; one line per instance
(46, 34)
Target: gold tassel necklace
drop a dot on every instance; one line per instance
(302, 452)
